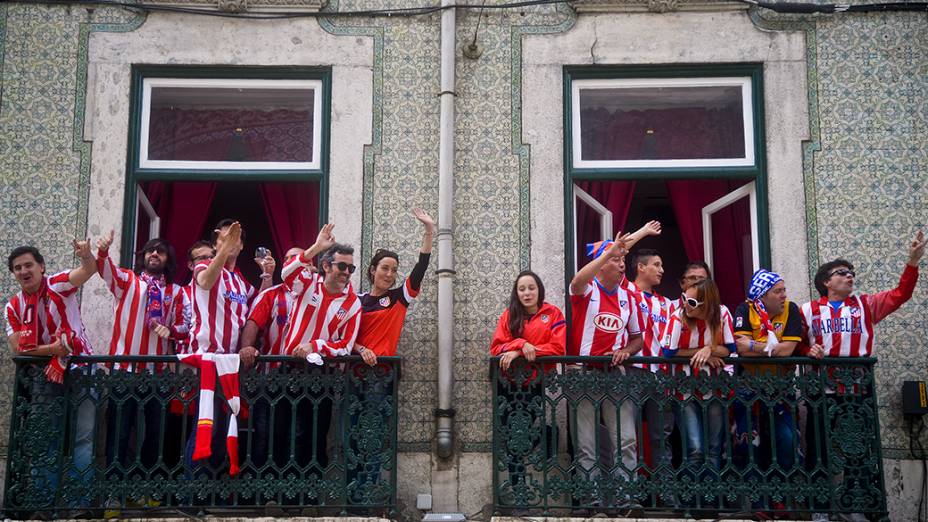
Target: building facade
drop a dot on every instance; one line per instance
(834, 138)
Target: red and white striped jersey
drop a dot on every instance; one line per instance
(848, 331)
(220, 312)
(58, 309)
(131, 336)
(270, 312)
(654, 311)
(602, 320)
(680, 336)
(328, 321)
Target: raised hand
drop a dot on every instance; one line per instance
(103, 244)
(231, 236)
(618, 248)
(326, 237)
(267, 264)
(917, 248)
(424, 218)
(82, 248)
(652, 228)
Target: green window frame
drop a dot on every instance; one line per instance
(136, 173)
(755, 172)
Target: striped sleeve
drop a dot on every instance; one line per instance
(61, 283)
(13, 322)
(297, 277)
(117, 279)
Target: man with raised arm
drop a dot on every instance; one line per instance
(323, 323)
(604, 322)
(841, 324)
(44, 318)
(149, 310)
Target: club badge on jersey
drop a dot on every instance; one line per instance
(384, 301)
(544, 318)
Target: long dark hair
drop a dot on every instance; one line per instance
(517, 313)
(170, 265)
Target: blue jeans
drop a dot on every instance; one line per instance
(702, 426)
(784, 434)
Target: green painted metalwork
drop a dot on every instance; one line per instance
(798, 436)
(137, 430)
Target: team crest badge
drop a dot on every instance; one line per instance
(384, 301)
(544, 318)
(739, 322)
(855, 311)
(341, 313)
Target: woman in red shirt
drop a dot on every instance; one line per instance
(529, 328)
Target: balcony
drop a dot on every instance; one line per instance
(791, 438)
(312, 440)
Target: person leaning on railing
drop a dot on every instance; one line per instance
(149, 314)
(324, 323)
(841, 323)
(605, 323)
(701, 330)
(529, 327)
(44, 318)
(767, 325)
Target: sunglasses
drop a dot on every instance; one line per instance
(691, 302)
(201, 258)
(842, 272)
(158, 250)
(342, 266)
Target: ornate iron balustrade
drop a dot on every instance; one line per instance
(573, 435)
(313, 440)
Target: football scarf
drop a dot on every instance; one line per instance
(225, 367)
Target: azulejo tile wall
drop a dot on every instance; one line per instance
(43, 162)
(865, 169)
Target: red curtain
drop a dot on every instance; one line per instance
(292, 213)
(183, 208)
(615, 196)
(731, 229)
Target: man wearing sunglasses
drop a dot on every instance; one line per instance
(149, 316)
(324, 322)
(839, 323)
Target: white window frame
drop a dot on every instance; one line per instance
(154, 220)
(149, 83)
(627, 83)
(605, 215)
(747, 191)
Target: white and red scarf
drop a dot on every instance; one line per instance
(29, 335)
(224, 366)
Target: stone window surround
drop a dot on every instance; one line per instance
(157, 42)
(684, 38)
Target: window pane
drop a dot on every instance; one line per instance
(231, 124)
(662, 123)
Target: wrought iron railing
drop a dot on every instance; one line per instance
(313, 440)
(790, 438)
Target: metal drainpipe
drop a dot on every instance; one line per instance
(444, 415)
